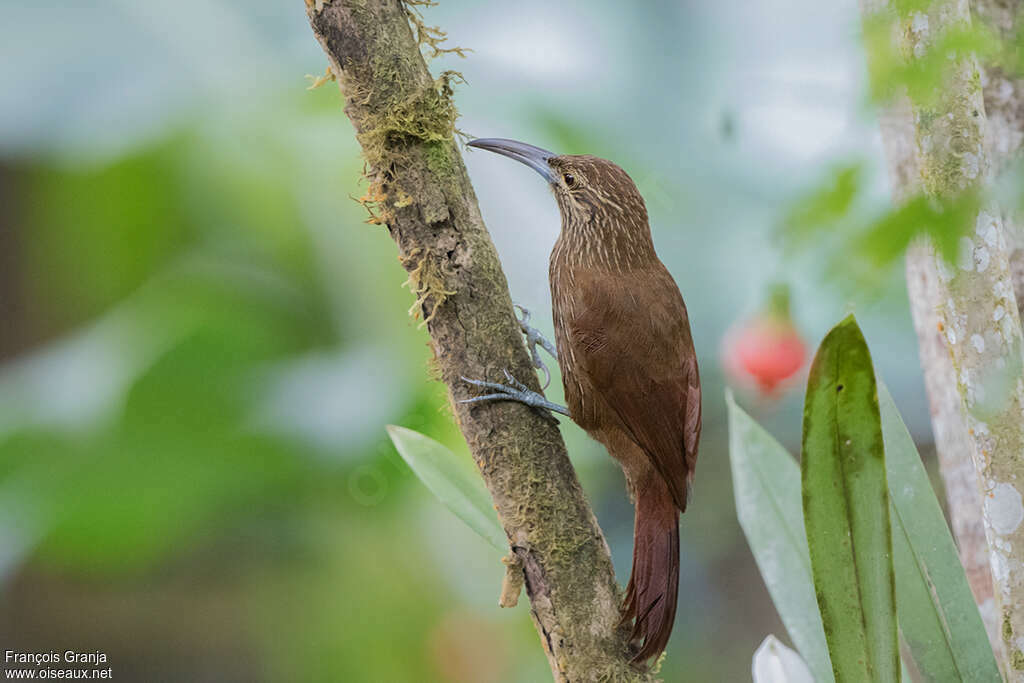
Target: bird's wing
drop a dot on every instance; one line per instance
(631, 337)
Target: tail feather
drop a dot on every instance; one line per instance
(653, 587)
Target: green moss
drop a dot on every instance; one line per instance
(1017, 660)
(439, 159)
(975, 81)
(925, 118)
(941, 174)
(389, 129)
(945, 136)
(426, 116)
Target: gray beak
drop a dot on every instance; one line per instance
(534, 157)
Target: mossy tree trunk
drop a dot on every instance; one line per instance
(974, 305)
(418, 187)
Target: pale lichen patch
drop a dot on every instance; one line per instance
(971, 165)
(919, 30)
(988, 232)
(1010, 327)
(1000, 570)
(1005, 508)
(944, 274)
(965, 257)
(981, 259)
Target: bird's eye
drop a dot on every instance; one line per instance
(570, 179)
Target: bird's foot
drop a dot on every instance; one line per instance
(513, 391)
(534, 339)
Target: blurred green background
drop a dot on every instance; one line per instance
(201, 341)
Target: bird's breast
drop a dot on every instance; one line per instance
(565, 307)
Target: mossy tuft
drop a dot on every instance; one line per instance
(430, 37)
(427, 280)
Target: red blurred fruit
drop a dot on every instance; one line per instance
(766, 349)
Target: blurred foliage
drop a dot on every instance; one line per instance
(922, 75)
(864, 242)
(199, 296)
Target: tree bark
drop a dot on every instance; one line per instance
(949, 422)
(952, 435)
(418, 187)
(1003, 92)
(977, 313)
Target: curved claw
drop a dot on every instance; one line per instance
(533, 339)
(539, 364)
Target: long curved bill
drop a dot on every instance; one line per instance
(534, 157)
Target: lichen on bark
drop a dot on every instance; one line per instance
(949, 421)
(978, 309)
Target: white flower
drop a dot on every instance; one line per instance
(776, 663)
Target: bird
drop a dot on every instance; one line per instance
(628, 364)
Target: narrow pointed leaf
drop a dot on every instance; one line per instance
(938, 617)
(452, 480)
(766, 482)
(846, 509)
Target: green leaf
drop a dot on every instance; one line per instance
(924, 75)
(826, 205)
(944, 220)
(452, 480)
(846, 509)
(766, 482)
(938, 617)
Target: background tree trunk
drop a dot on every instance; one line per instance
(404, 121)
(1003, 94)
(945, 149)
(1003, 91)
(1004, 105)
(949, 422)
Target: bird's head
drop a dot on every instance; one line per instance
(588, 189)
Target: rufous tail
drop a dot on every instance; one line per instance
(654, 584)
